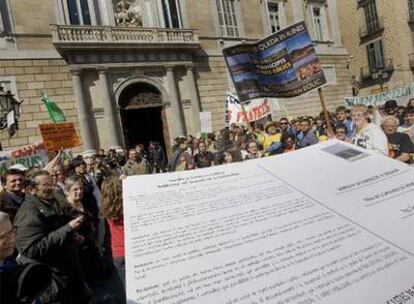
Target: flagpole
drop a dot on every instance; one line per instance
(325, 113)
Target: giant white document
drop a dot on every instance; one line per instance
(327, 224)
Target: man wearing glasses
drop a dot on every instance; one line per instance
(368, 135)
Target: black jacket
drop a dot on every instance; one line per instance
(8, 204)
(43, 235)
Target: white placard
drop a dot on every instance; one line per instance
(10, 119)
(326, 224)
(205, 121)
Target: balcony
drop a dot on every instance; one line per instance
(78, 37)
(374, 73)
(371, 30)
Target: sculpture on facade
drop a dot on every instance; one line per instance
(129, 13)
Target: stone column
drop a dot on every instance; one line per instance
(177, 124)
(110, 117)
(84, 116)
(195, 102)
(298, 10)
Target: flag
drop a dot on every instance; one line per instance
(55, 113)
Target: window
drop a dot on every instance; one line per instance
(318, 24)
(5, 22)
(172, 13)
(78, 12)
(274, 9)
(411, 9)
(227, 18)
(375, 56)
(330, 74)
(371, 17)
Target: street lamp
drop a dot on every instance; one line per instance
(9, 110)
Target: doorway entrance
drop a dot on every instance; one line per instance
(142, 115)
(142, 126)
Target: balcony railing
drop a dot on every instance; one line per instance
(371, 28)
(108, 35)
(373, 72)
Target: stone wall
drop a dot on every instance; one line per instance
(397, 39)
(32, 78)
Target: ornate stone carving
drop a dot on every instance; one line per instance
(129, 13)
(143, 100)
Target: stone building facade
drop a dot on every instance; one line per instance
(378, 35)
(127, 71)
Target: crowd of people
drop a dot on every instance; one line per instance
(61, 226)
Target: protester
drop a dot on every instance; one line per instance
(19, 284)
(135, 165)
(181, 159)
(44, 233)
(341, 119)
(400, 145)
(408, 125)
(368, 135)
(91, 194)
(157, 157)
(253, 150)
(203, 158)
(112, 211)
(12, 195)
(289, 143)
(340, 132)
(94, 248)
(271, 137)
(306, 137)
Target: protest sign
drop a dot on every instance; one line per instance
(271, 230)
(205, 122)
(400, 95)
(29, 156)
(282, 65)
(58, 136)
(253, 111)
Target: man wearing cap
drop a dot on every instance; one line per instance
(272, 136)
(12, 196)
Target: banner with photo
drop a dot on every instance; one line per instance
(29, 156)
(282, 65)
(401, 95)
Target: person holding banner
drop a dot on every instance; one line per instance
(368, 135)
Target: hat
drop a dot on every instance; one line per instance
(269, 124)
(391, 104)
(19, 167)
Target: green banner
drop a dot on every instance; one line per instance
(400, 95)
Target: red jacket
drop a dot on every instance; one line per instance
(117, 238)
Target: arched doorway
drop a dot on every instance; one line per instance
(142, 115)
